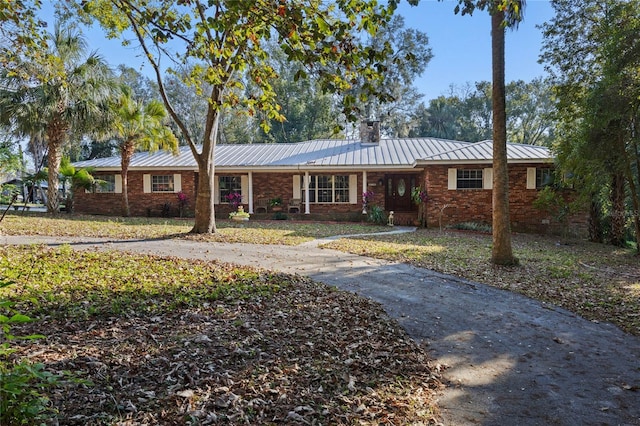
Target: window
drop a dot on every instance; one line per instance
(544, 177)
(162, 183)
(104, 183)
(328, 189)
(228, 185)
(469, 179)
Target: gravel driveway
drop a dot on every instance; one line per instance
(510, 360)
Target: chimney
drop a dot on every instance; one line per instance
(370, 131)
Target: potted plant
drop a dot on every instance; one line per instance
(239, 215)
(276, 204)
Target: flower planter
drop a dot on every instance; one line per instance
(239, 218)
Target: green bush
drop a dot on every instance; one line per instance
(21, 384)
(376, 215)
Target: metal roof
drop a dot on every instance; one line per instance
(404, 152)
(483, 151)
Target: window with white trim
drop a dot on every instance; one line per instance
(327, 189)
(544, 177)
(469, 179)
(228, 185)
(162, 183)
(104, 183)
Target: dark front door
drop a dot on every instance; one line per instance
(398, 192)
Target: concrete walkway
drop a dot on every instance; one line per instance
(511, 360)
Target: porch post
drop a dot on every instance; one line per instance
(364, 181)
(306, 193)
(251, 192)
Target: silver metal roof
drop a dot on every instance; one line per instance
(483, 151)
(328, 153)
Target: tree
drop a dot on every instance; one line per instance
(224, 40)
(67, 95)
(79, 179)
(591, 51)
(530, 108)
(141, 126)
(504, 13)
(21, 33)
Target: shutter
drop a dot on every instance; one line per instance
(244, 188)
(531, 178)
(453, 179)
(216, 190)
(487, 178)
(353, 189)
(146, 183)
(177, 182)
(296, 187)
(118, 188)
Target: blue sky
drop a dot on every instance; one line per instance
(461, 44)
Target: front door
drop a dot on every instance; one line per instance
(398, 192)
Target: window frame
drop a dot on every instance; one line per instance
(234, 183)
(543, 174)
(337, 193)
(465, 180)
(159, 187)
(110, 188)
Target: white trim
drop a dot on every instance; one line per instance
(250, 200)
(244, 188)
(146, 183)
(531, 178)
(487, 178)
(296, 187)
(307, 204)
(353, 189)
(452, 179)
(118, 184)
(177, 182)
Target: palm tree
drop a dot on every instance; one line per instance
(140, 126)
(66, 95)
(80, 179)
(504, 13)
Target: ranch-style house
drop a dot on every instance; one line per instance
(326, 179)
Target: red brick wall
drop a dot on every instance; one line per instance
(141, 204)
(468, 205)
(475, 205)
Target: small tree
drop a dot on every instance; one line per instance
(80, 179)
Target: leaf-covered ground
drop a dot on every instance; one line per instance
(166, 341)
(258, 232)
(596, 281)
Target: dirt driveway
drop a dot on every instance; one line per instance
(510, 360)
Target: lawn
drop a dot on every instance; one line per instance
(171, 341)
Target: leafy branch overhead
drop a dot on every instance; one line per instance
(226, 40)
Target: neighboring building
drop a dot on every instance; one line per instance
(328, 178)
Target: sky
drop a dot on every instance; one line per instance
(461, 45)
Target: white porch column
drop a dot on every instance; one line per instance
(251, 192)
(306, 193)
(364, 182)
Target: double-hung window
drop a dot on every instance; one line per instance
(104, 184)
(469, 179)
(162, 183)
(544, 177)
(229, 185)
(328, 189)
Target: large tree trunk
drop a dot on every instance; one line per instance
(501, 253)
(56, 131)
(595, 221)
(205, 221)
(126, 153)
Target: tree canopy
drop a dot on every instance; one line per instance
(224, 40)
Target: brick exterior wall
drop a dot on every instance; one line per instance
(451, 206)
